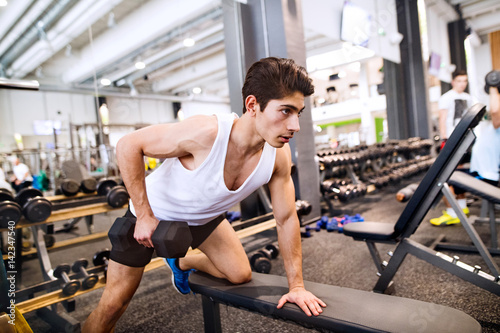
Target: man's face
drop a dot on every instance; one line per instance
(280, 120)
(459, 83)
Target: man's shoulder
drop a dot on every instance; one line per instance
(203, 127)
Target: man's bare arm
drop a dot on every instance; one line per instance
(288, 226)
(443, 114)
(160, 141)
(495, 106)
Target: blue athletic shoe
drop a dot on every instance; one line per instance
(179, 277)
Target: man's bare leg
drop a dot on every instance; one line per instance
(223, 256)
(121, 283)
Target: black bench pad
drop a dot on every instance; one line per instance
(372, 231)
(475, 186)
(348, 310)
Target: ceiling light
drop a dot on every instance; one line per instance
(188, 42)
(68, 52)
(111, 20)
(140, 65)
(105, 82)
(342, 74)
(196, 90)
(3, 3)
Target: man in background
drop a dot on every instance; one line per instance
(452, 106)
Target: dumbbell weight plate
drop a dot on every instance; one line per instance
(5, 195)
(49, 240)
(37, 210)
(262, 265)
(117, 196)
(88, 185)
(26, 193)
(71, 287)
(69, 187)
(273, 249)
(90, 280)
(493, 78)
(9, 211)
(105, 185)
(172, 239)
(99, 257)
(34, 206)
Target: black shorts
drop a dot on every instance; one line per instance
(138, 255)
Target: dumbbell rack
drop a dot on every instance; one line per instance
(388, 162)
(51, 283)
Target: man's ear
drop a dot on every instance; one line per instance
(251, 105)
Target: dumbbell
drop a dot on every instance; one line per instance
(260, 263)
(9, 209)
(88, 185)
(69, 187)
(49, 240)
(34, 206)
(406, 193)
(71, 286)
(492, 79)
(116, 195)
(303, 207)
(102, 258)
(270, 251)
(80, 266)
(171, 239)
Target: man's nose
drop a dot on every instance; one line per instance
(293, 124)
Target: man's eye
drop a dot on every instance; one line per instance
(285, 111)
(299, 114)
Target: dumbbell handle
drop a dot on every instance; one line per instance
(84, 271)
(65, 277)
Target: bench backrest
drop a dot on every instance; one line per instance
(440, 171)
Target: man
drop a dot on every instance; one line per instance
(22, 177)
(452, 106)
(485, 158)
(213, 162)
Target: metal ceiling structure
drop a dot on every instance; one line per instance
(70, 45)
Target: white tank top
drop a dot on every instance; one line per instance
(198, 196)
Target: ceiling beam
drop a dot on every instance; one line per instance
(147, 23)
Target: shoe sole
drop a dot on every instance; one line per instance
(444, 223)
(173, 278)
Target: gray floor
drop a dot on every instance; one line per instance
(329, 258)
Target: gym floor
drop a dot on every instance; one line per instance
(329, 258)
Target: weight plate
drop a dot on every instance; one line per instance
(105, 185)
(89, 185)
(27, 193)
(99, 257)
(37, 210)
(9, 211)
(5, 195)
(69, 187)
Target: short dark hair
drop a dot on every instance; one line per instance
(458, 73)
(275, 78)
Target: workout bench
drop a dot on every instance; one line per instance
(429, 191)
(490, 195)
(348, 310)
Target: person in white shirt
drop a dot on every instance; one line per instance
(485, 159)
(22, 176)
(452, 107)
(3, 183)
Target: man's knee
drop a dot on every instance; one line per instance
(240, 276)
